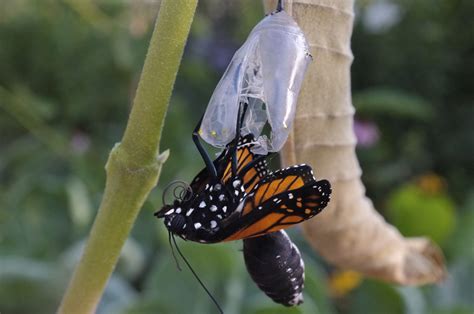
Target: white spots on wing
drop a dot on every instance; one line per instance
(217, 187)
(210, 197)
(178, 210)
(278, 256)
(259, 207)
(207, 187)
(293, 279)
(213, 224)
(275, 199)
(169, 211)
(219, 216)
(221, 197)
(213, 208)
(236, 183)
(202, 205)
(288, 270)
(184, 226)
(190, 211)
(197, 225)
(224, 209)
(236, 192)
(290, 196)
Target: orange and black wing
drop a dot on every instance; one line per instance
(249, 169)
(280, 200)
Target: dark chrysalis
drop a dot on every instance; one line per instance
(276, 266)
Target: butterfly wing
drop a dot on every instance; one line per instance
(283, 198)
(250, 167)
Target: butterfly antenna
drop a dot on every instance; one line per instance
(197, 277)
(172, 251)
(279, 6)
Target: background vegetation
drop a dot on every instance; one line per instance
(68, 70)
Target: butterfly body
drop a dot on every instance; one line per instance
(275, 264)
(200, 218)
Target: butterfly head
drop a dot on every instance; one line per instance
(174, 218)
(174, 214)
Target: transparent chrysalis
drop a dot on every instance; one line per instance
(266, 73)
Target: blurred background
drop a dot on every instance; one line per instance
(68, 71)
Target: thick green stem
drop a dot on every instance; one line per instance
(133, 166)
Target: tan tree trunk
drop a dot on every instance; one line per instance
(350, 233)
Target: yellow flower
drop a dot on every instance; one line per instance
(343, 282)
(431, 183)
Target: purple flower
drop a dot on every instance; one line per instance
(80, 142)
(367, 133)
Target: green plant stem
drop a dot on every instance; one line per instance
(134, 165)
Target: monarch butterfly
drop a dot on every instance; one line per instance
(243, 200)
(247, 202)
(235, 196)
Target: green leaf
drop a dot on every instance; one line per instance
(376, 297)
(460, 245)
(379, 100)
(418, 213)
(27, 286)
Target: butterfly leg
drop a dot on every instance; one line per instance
(233, 147)
(279, 7)
(207, 160)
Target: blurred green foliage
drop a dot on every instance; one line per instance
(417, 212)
(68, 71)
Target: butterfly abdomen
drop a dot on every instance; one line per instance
(276, 266)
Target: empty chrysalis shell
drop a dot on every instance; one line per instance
(266, 73)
